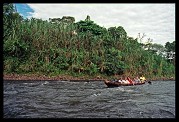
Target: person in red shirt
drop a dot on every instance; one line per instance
(131, 82)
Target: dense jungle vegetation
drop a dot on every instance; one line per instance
(63, 46)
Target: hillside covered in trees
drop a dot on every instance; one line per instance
(63, 46)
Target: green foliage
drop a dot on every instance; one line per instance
(89, 26)
(34, 45)
(170, 46)
(157, 49)
(114, 64)
(118, 32)
(7, 19)
(16, 48)
(92, 69)
(11, 64)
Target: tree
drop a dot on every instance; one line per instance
(157, 49)
(87, 18)
(84, 27)
(118, 32)
(8, 10)
(170, 47)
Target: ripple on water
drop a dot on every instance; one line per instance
(44, 99)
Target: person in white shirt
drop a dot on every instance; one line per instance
(125, 81)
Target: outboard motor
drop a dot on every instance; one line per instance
(149, 82)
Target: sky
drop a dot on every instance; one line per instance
(155, 21)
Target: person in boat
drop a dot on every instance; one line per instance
(136, 79)
(130, 81)
(120, 80)
(114, 80)
(142, 79)
(125, 81)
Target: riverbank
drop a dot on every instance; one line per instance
(67, 77)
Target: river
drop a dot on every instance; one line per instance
(67, 99)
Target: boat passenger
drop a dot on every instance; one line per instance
(142, 79)
(137, 79)
(125, 81)
(114, 80)
(120, 80)
(130, 81)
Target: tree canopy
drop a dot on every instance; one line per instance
(34, 45)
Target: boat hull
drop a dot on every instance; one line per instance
(117, 84)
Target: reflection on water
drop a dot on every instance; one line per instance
(64, 99)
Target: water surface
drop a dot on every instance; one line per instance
(66, 99)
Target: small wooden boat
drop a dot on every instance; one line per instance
(117, 84)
